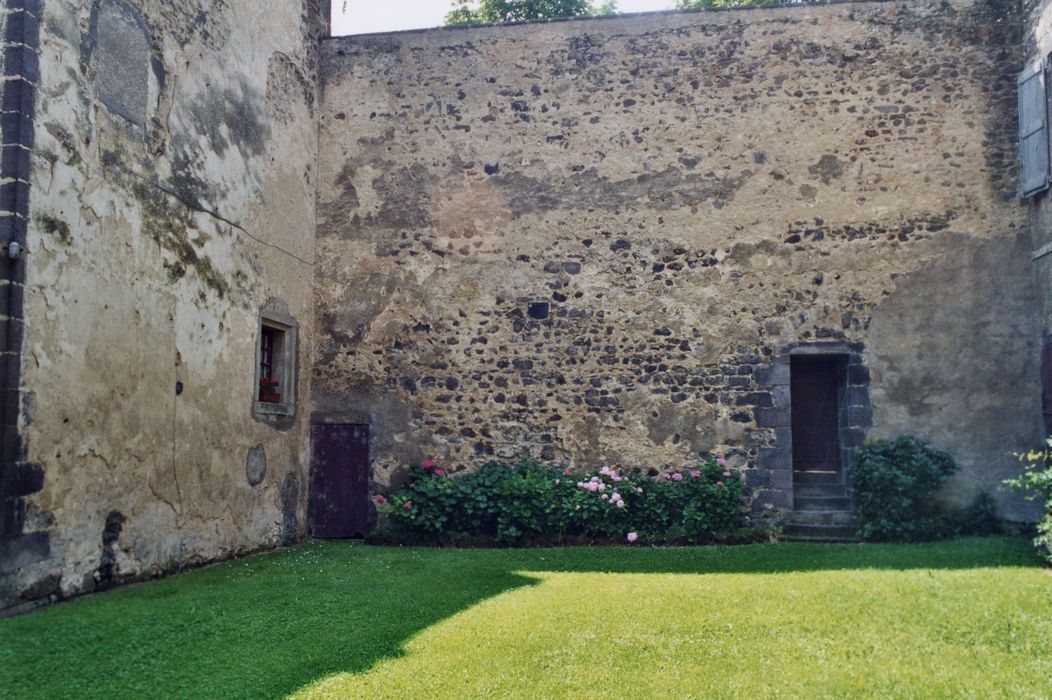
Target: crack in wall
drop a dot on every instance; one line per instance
(190, 205)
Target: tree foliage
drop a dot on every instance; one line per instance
(498, 11)
(1037, 480)
(708, 4)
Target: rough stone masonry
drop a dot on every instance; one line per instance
(585, 241)
(600, 242)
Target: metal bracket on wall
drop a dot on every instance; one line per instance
(1041, 252)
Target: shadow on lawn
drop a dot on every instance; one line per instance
(262, 627)
(269, 625)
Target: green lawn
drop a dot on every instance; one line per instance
(968, 618)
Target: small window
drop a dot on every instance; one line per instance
(275, 387)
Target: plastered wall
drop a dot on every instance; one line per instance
(172, 199)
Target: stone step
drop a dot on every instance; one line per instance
(822, 539)
(823, 491)
(822, 517)
(802, 478)
(821, 533)
(822, 502)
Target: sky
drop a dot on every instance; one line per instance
(365, 16)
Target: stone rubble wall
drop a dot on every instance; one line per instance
(598, 241)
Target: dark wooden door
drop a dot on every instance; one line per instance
(339, 480)
(815, 394)
(1046, 385)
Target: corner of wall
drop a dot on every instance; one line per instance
(20, 29)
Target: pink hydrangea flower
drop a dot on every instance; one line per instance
(632, 537)
(695, 473)
(381, 501)
(676, 476)
(639, 490)
(721, 461)
(440, 472)
(666, 476)
(408, 505)
(719, 483)
(568, 472)
(428, 464)
(727, 473)
(620, 504)
(594, 486)
(604, 497)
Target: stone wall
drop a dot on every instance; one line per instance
(171, 201)
(597, 241)
(1038, 44)
(19, 36)
(592, 241)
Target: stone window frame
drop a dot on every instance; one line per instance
(288, 328)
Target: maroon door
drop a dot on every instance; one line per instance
(1046, 385)
(339, 480)
(814, 387)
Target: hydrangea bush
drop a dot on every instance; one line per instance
(532, 503)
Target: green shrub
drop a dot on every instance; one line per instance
(895, 486)
(533, 503)
(1036, 480)
(981, 517)
(978, 519)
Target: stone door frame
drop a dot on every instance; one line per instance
(776, 460)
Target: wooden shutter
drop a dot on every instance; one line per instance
(1033, 129)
